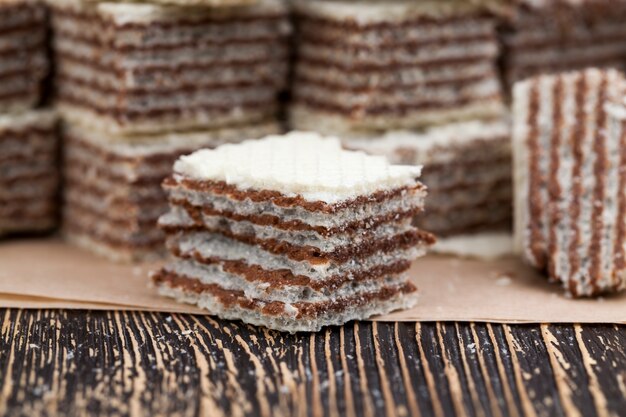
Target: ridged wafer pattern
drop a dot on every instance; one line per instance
(298, 163)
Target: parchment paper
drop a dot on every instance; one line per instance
(47, 273)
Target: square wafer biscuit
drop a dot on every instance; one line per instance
(24, 62)
(139, 68)
(559, 35)
(393, 65)
(467, 169)
(112, 194)
(291, 232)
(29, 172)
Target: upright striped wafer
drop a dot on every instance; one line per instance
(568, 166)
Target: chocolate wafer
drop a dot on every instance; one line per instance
(559, 35)
(291, 232)
(138, 68)
(112, 194)
(28, 172)
(568, 153)
(393, 65)
(467, 169)
(23, 60)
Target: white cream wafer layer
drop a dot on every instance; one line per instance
(130, 12)
(298, 164)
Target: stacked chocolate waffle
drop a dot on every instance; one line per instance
(113, 194)
(558, 35)
(570, 178)
(388, 65)
(467, 169)
(291, 232)
(23, 63)
(28, 172)
(28, 140)
(140, 84)
(139, 68)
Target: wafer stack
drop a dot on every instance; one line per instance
(559, 35)
(392, 65)
(467, 169)
(136, 68)
(570, 182)
(112, 193)
(291, 232)
(28, 172)
(28, 142)
(23, 62)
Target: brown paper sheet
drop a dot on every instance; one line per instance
(48, 273)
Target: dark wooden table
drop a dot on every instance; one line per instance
(130, 364)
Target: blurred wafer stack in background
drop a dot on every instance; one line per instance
(419, 83)
(549, 36)
(467, 167)
(367, 65)
(28, 141)
(24, 63)
(139, 84)
(143, 68)
(113, 194)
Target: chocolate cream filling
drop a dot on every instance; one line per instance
(205, 88)
(232, 298)
(353, 25)
(413, 45)
(196, 213)
(161, 69)
(458, 82)
(314, 255)
(281, 200)
(371, 67)
(278, 279)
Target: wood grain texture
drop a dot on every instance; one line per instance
(75, 363)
